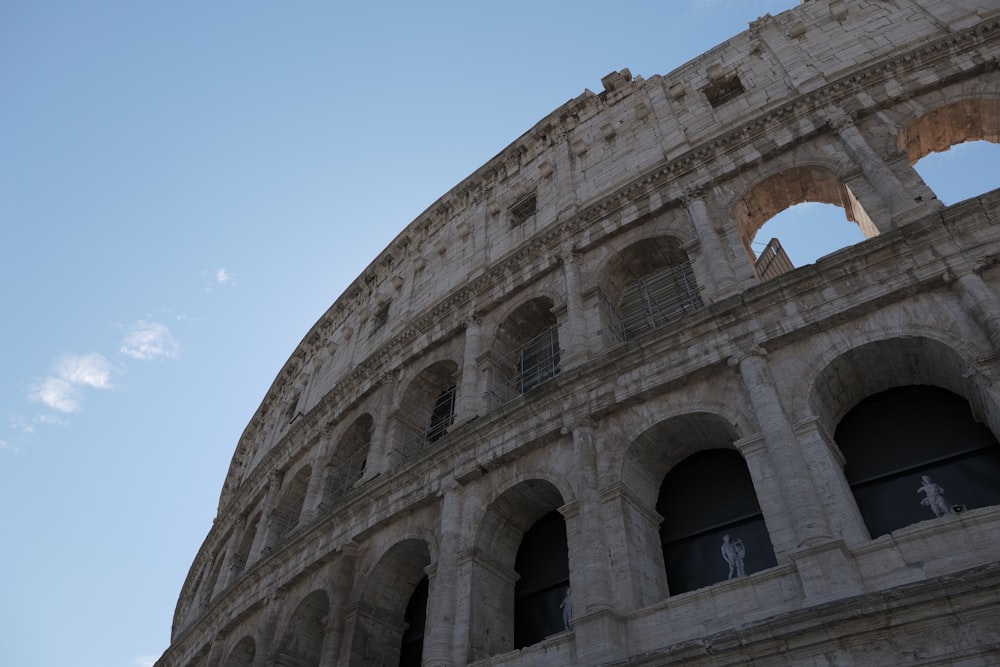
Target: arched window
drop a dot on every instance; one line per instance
(389, 627)
(782, 191)
(285, 517)
(542, 565)
(525, 352)
(427, 409)
(646, 285)
(914, 453)
(348, 462)
(954, 147)
(302, 643)
(519, 565)
(712, 526)
(242, 654)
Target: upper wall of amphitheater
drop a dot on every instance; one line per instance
(577, 180)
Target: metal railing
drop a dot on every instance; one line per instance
(653, 301)
(532, 364)
(422, 428)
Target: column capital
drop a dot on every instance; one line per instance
(741, 355)
(839, 120)
(693, 193)
(574, 423)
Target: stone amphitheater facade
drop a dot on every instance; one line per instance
(572, 370)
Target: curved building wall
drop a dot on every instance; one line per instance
(578, 337)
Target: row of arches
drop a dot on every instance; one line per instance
(655, 277)
(914, 442)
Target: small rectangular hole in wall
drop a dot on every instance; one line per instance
(522, 210)
(722, 90)
(380, 318)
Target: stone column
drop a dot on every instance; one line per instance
(574, 338)
(222, 581)
(979, 301)
(595, 625)
(215, 653)
(384, 414)
(266, 646)
(876, 171)
(795, 482)
(593, 591)
(827, 464)
(440, 646)
(470, 401)
(267, 509)
(720, 281)
(228, 575)
(317, 479)
(343, 583)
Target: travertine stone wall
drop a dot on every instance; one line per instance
(332, 511)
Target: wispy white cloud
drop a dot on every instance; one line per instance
(9, 448)
(223, 277)
(149, 340)
(91, 370)
(56, 393)
(145, 660)
(61, 391)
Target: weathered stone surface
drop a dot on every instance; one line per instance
(389, 448)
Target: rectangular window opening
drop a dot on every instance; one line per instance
(522, 210)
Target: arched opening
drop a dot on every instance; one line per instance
(961, 172)
(499, 563)
(239, 557)
(427, 410)
(807, 232)
(915, 452)
(348, 462)
(646, 285)
(212, 581)
(389, 627)
(242, 654)
(690, 517)
(285, 517)
(525, 352)
(411, 649)
(540, 594)
(955, 148)
(301, 644)
(712, 529)
(784, 190)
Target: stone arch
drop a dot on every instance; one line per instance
(647, 464)
(241, 552)
(242, 654)
(778, 191)
(940, 128)
(524, 352)
(498, 539)
(287, 513)
(301, 643)
(427, 408)
(956, 119)
(347, 463)
(847, 379)
(646, 284)
(380, 622)
(883, 425)
(212, 582)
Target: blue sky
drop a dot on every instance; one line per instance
(184, 189)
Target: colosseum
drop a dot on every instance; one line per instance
(570, 417)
